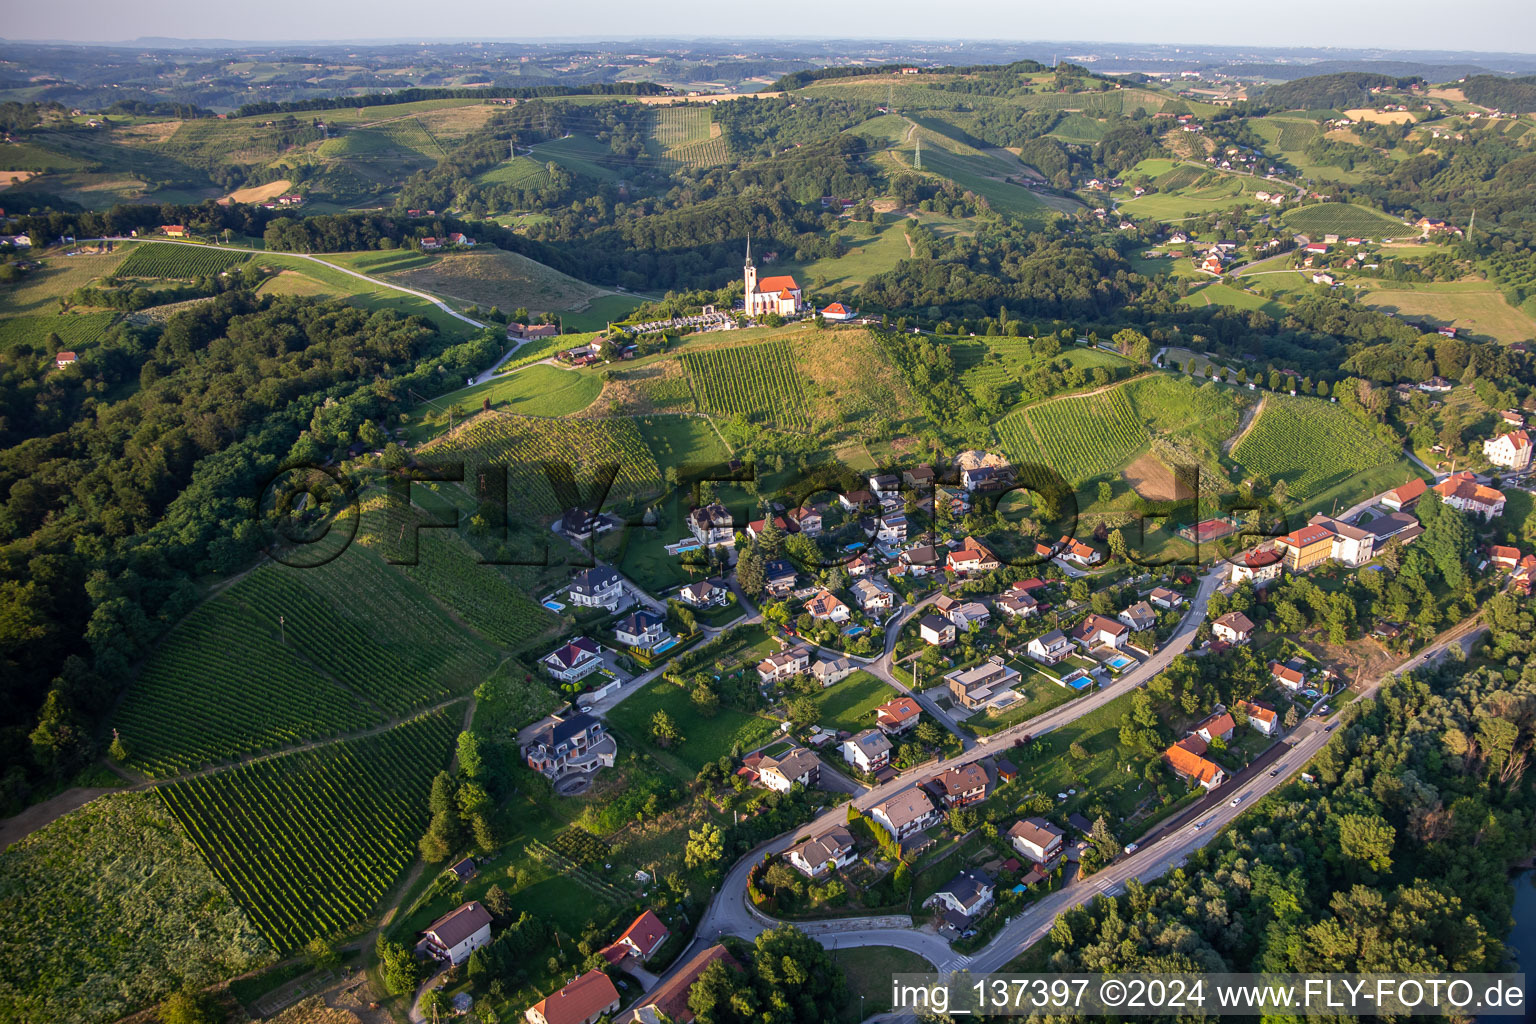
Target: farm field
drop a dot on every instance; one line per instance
(1476, 313)
(319, 865)
(524, 444)
(110, 907)
(848, 377)
(39, 291)
(1190, 201)
(981, 174)
(168, 259)
(1310, 444)
(1178, 407)
(999, 362)
(489, 277)
(866, 256)
(1079, 437)
(223, 684)
(329, 281)
(760, 382)
(687, 135)
(682, 440)
(1219, 293)
(1343, 219)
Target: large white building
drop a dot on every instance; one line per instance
(1511, 450)
(766, 295)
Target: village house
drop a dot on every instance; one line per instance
(1233, 627)
(642, 629)
(1504, 557)
(1016, 605)
(804, 519)
(921, 560)
(173, 230)
(979, 685)
(919, 477)
(573, 743)
(837, 312)
(458, 933)
(1139, 616)
(1098, 631)
(824, 605)
(966, 897)
(1436, 386)
(855, 501)
(430, 244)
(818, 855)
(972, 557)
(1462, 492)
(1049, 648)
(905, 813)
(885, 485)
(1038, 841)
(832, 670)
(1288, 677)
(1218, 726)
(464, 870)
(893, 528)
(873, 594)
(532, 332)
(1257, 564)
(897, 716)
(703, 594)
(600, 587)
(64, 359)
(961, 613)
(1261, 717)
(712, 525)
(784, 665)
(868, 751)
(575, 660)
(781, 773)
(1192, 767)
(1511, 450)
(639, 941)
(935, 630)
(668, 1001)
(1083, 554)
(583, 1001)
(863, 565)
(779, 577)
(756, 528)
(1165, 598)
(957, 787)
(579, 524)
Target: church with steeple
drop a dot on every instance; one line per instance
(779, 295)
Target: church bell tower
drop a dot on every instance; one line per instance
(749, 275)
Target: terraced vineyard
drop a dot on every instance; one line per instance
(221, 685)
(534, 450)
(1310, 444)
(310, 842)
(166, 259)
(760, 382)
(1080, 438)
(361, 622)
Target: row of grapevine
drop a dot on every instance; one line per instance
(222, 684)
(1080, 438)
(167, 259)
(310, 842)
(358, 620)
(1310, 444)
(760, 382)
(551, 463)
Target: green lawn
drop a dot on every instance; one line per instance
(850, 705)
(600, 312)
(367, 295)
(1219, 293)
(704, 739)
(678, 440)
(869, 969)
(537, 390)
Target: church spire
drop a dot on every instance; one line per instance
(749, 249)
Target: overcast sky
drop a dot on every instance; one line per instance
(1489, 25)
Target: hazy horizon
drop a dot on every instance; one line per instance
(1480, 26)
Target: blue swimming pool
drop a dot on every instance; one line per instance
(554, 606)
(1120, 662)
(1080, 683)
(666, 645)
(853, 631)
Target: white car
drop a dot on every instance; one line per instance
(1238, 799)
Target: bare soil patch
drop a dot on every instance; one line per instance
(9, 178)
(260, 193)
(1379, 116)
(1154, 481)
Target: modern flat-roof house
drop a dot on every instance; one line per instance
(575, 660)
(1038, 840)
(1191, 767)
(905, 813)
(668, 1001)
(458, 933)
(1404, 526)
(1049, 648)
(596, 588)
(583, 1001)
(868, 751)
(818, 855)
(784, 665)
(936, 630)
(1100, 631)
(957, 787)
(897, 716)
(573, 743)
(1233, 627)
(782, 773)
(978, 685)
(703, 594)
(640, 940)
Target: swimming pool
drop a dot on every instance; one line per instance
(853, 631)
(1120, 662)
(666, 645)
(554, 606)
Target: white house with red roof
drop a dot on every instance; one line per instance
(779, 294)
(839, 312)
(1462, 492)
(1511, 450)
(640, 940)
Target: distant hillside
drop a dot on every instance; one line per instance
(1514, 95)
(1395, 68)
(1320, 92)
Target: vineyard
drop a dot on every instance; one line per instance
(548, 461)
(310, 842)
(76, 330)
(358, 620)
(1343, 219)
(708, 153)
(1309, 444)
(167, 259)
(1179, 177)
(760, 382)
(677, 126)
(1080, 438)
(222, 684)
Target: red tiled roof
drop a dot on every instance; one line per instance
(1284, 672)
(780, 283)
(584, 998)
(1257, 711)
(1408, 491)
(1306, 536)
(899, 710)
(836, 309)
(1190, 764)
(647, 932)
(671, 997)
